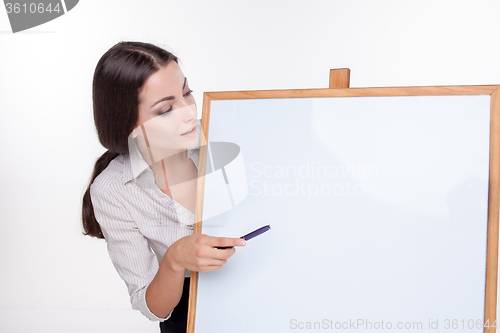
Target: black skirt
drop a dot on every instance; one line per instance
(177, 323)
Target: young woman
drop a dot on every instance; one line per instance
(141, 197)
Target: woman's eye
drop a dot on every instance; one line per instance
(170, 109)
(165, 112)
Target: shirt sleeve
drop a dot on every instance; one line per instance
(129, 250)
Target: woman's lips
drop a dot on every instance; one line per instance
(190, 132)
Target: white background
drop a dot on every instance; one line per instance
(51, 275)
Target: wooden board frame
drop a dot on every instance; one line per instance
(494, 164)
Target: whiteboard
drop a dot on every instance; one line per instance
(378, 207)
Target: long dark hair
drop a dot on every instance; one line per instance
(118, 78)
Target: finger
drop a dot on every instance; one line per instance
(211, 261)
(226, 241)
(217, 253)
(210, 268)
(208, 264)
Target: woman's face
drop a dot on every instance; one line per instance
(167, 113)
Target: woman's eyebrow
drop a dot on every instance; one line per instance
(168, 98)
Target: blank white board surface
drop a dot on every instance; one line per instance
(378, 209)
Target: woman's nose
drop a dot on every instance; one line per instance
(190, 111)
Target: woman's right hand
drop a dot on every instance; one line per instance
(198, 252)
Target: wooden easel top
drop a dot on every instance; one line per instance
(340, 78)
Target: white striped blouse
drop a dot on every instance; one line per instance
(138, 221)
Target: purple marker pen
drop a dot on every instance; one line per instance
(250, 235)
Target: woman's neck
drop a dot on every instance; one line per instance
(173, 168)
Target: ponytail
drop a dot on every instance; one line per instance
(90, 225)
